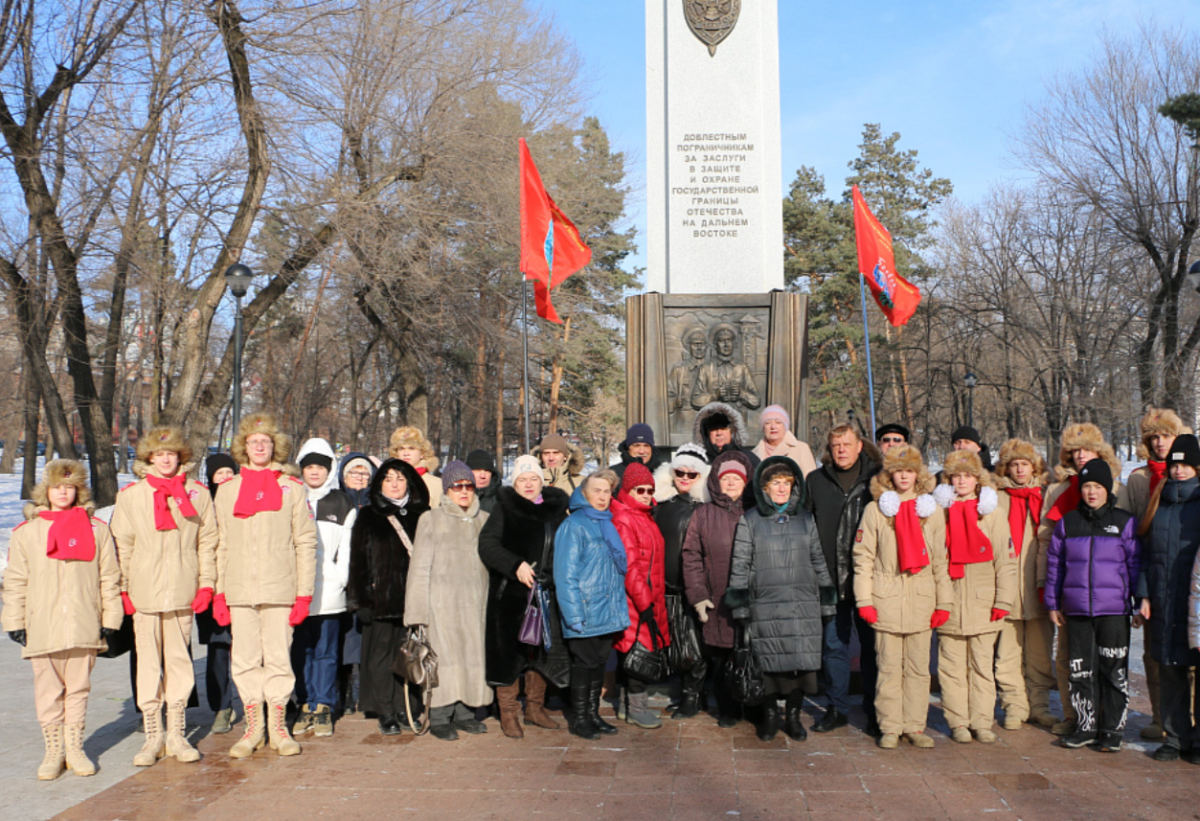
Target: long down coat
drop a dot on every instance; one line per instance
(645, 580)
(1170, 550)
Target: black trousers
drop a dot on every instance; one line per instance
(715, 659)
(1098, 671)
(380, 690)
(1178, 702)
(591, 652)
(218, 677)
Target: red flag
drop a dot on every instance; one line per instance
(897, 297)
(551, 248)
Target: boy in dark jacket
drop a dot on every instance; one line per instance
(1091, 571)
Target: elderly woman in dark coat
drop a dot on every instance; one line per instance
(379, 562)
(517, 546)
(780, 586)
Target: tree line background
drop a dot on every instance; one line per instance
(360, 156)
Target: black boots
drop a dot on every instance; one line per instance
(832, 719)
(769, 726)
(595, 691)
(792, 725)
(689, 707)
(580, 723)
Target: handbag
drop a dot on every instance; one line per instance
(121, 642)
(531, 631)
(416, 663)
(684, 651)
(742, 676)
(649, 665)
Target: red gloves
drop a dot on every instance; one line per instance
(127, 603)
(299, 610)
(203, 599)
(868, 614)
(939, 618)
(221, 611)
(998, 614)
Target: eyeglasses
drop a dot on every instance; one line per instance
(359, 474)
(892, 440)
(462, 486)
(686, 474)
(780, 483)
(642, 491)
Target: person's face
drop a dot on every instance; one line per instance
(1094, 494)
(260, 448)
(358, 477)
(598, 494)
(845, 449)
(964, 484)
(966, 444)
(1160, 444)
(643, 493)
(1082, 456)
(904, 480)
(409, 453)
(528, 485)
(1181, 472)
(1020, 471)
(732, 485)
(697, 346)
(773, 430)
(889, 441)
(394, 486)
(61, 497)
(315, 475)
(165, 463)
(779, 489)
(462, 494)
(483, 478)
(684, 478)
(222, 476)
(552, 458)
(720, 437)
(724, 343)
(641, 450)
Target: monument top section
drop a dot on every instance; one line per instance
(714, 174)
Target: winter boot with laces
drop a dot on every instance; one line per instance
(177, 743)
(223, 723)
(54, 762)
(153, 748)
(254, 736)
(323, 721)
(281, 740)
(77, 759)
(304, 722)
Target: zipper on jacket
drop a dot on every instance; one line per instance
(1091, 568)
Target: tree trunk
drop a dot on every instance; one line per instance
(13, 424)
(500, 408)
(29, 466)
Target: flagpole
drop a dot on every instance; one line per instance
(525, 348)
(862, 292)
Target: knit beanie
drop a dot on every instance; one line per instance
(775, 412)
(733, 466)
(455, 472)
(359, 461)
(1099, 472)
(966, 432)
(690, 456)
(636, 474)
(526, 464)
(1185, 449)
(481, 460)
(316, 459)
(639, 432)
(215, 462)
(556, 442)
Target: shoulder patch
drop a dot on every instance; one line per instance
(193, 493)
(858, 537)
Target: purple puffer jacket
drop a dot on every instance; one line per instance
(1092, 563)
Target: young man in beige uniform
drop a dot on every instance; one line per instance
(166, 539)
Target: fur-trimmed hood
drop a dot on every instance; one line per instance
(1083, 435)
(60, 472)
(418, 491)
(664, 484)
(261, 422)
(575, 458)
(1158, 421)
(799, 490)
(741, 437)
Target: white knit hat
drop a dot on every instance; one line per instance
(526, 464)
(690, 456)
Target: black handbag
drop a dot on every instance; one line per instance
(643, 664)
(684, 652)
(120, 642)
(743, 677)
(554, 663)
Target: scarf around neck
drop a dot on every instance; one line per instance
(1158, 472)
(164, 489)
(260, 492)
(1067, 501)
(1024, 502)
(70, 537)
(616, 548)
(911, 552)
(965, 542)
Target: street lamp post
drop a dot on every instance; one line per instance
(238, 277)
(970, 380)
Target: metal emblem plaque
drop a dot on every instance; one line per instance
(711, 20)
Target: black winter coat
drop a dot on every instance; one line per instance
(672, 518)
(516, 532)
(490, 495)
(378, 558)
(656, 461)
(1169, 550)
(838, 515)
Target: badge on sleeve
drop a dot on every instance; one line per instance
(858, 536)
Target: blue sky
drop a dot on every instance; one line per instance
(954, 78)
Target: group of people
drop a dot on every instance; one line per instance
(303, 576)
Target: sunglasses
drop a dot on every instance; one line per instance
(462, 486)
(892, 440)
(642, 491)
(687, 474)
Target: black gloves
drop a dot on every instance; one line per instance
(18, 636)
(365, 616)
(108, 633)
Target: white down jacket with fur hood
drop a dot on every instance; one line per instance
(334, 514)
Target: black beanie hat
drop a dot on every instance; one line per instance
(1099, 472)
(481, 460)
(1185, 449)
(214, 463)
(316, 459)
(966, 432)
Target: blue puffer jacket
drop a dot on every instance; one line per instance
(588, 582)
(1170, 550)
(1092, 562)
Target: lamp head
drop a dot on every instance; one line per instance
(970, 380)
(238, 277)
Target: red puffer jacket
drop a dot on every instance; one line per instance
(645, 582)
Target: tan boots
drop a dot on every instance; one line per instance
(177, 743)
(77, 759)
(153, 748)
(281, 740)
(255, 735)
(510, 710)
(53, 764)
(535, 702)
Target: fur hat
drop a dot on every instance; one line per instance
(690, 456)
(164, 437)
(1014, 449)
(904, 457)
(1161, 421)
(966, 461)
(60, 472)
(261, 422)
(410, 437)
(1085, 436)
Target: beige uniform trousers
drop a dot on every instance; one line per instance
(1024, 671)
(164, 665)
(261, 655)
(1062, 672)
(902, 692)
(61, 683)
(968, 683)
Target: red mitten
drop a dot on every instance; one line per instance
(1042, 596)
(127, 603)
(299, 610)
(868, 614)
(998, 614)
(221, 611)
(939, 618)
(203, 599)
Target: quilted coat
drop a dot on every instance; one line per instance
(1166, 569)
(588, 584)
(645, 580)
(1092, 565)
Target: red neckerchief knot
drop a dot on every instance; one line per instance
(967, 544)
(260, 492)
(173, 488)
(70, 537)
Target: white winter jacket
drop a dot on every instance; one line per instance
(334, 514)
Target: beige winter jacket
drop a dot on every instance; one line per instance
(905, 601)
(447, 591)
(984, 585)
(1137, 493)
(1027, 604)
(270, 557)
(161, 570)
(791, 447)
(1046, 528)
(60, 605)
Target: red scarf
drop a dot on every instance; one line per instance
(910, 539)
(1024, 501)
(174, 489)
(422, 471)
(1067, 501)
(259, 492)
(71, 537)
(965, 542)
(1158, 472)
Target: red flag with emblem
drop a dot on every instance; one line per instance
(551, 248)
(897, 297)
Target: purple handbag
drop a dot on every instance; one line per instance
(531, 623)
